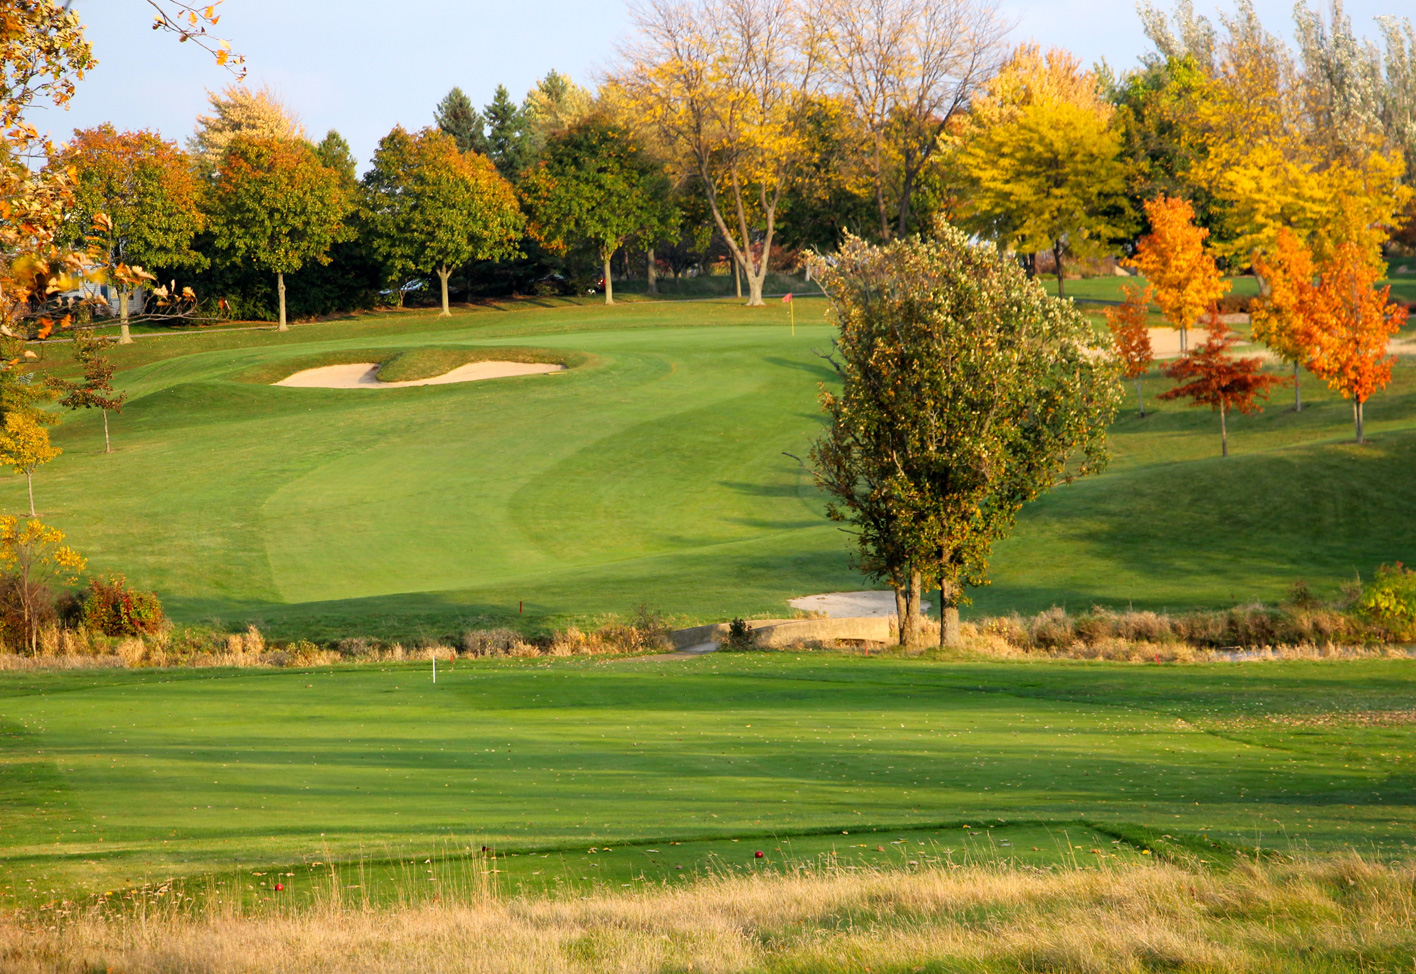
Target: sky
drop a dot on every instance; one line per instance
(363, 66)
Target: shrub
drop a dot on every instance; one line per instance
(490, 642)
(740, 636)
(1052, 629)
(1390, 600)
(114, 609)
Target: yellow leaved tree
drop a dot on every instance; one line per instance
(32, 556)
(727, 84)
(25, 447)
(1040, 159)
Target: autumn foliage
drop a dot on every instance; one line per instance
(1173, 258)
(1131, 333)
(1210, 376)
(1350, 321)
(1281, 321)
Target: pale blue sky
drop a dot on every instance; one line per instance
(362, 66)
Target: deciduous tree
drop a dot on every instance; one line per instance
(273, 203)
(96, 390)
(966, 392)
(239, 112)
(34, 556)
(428, 206)
(728, 85)
(1185, 278)
(1130, 330)
(25, 447)
(1282, 319)
(146, 191)
(593, 183)
(905, 68)
(1351, 322)
(1210, 376)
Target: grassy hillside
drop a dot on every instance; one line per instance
(655, 471)
(109, 778)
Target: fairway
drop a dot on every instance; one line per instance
(110, 778)
(658, 470)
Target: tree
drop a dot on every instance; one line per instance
(1040, 156)
(239, 112)
(553, 106)
(1185, 278)
(965, 393)
(593, 183)
(508, 135)
(33, 555)
(274, 204)
(906, 68)
(1281, 320)
(1130, 329)
(25, 447)
(146, 190)
(96, 389)
(1212, 377)
(727, 85)
(428, 206)
(456, 117)
(1351, 322)
(334, 152)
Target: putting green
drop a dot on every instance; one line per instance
(658, 470)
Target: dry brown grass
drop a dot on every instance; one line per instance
(1343, 914)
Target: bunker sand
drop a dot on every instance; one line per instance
(365, 375)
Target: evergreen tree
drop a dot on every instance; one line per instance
(456, 117)
(335, 153)
(508, 135)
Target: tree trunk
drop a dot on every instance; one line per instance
(737, 276)
(628, 270)
(107, 446)
(949, 635)
(609, 282)
(652, 271)
(1183, 333)
(1223, 433)
(1297, 390)
(1139, 398)
(911, 628)
(1057, 261)
(29, 477)
(1361, 433)
(125, 337)
(443, 272)
(280, 289)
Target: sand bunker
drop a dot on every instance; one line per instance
(849, 605)
(365, 375)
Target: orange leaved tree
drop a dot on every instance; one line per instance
(1212, 377)
(1281, 322)
(1351, 321)
(1131, 333)
(1173, 259)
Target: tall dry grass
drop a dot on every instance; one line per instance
(1344, 914)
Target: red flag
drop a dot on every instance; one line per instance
(787, 299)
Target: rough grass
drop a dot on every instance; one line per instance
(1340, 915)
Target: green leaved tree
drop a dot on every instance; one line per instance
(508, 135)
(275, 204)
(965, 393)
(594, 184)
(428, 206)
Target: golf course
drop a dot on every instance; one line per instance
(658, 469)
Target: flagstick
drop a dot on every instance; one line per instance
(435, 666)
(792, 305)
